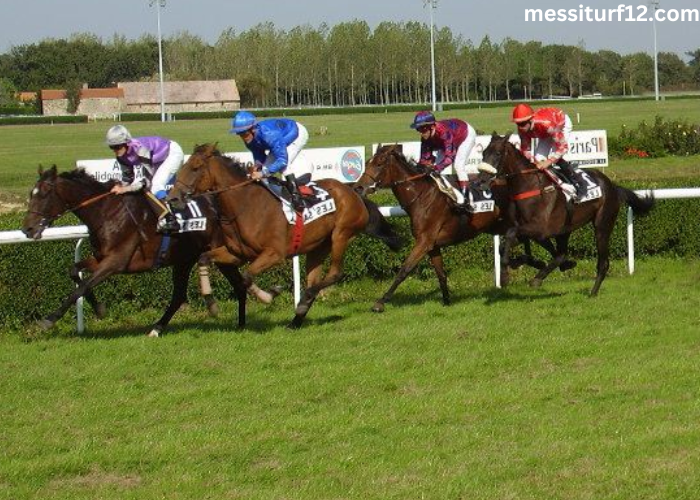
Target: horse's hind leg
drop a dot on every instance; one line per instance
(87, 265)
(181, 274)
(315, 282)
(603, 229)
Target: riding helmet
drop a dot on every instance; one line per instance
(242, 122)
(117, 135)
(423, 118)
(522, 113)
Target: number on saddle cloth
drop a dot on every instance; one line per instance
(191, 217)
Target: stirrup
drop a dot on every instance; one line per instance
(168, 224)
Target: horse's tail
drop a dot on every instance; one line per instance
(379, 227)
(640, 205)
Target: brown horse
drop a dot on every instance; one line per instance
(542, 211)
(257, 231)
(123, 238)
(435, 223)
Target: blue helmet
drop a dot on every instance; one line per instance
(242, 122)
(423, 118)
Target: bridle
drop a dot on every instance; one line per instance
(189, 189)
(47, 220)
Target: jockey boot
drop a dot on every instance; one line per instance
(576, 179)
(167, 223)
(297, 200)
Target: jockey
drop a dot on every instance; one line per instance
(275, 144)
(452, 139)
(160, 160)
(552, 127)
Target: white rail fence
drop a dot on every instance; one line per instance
(80, 233)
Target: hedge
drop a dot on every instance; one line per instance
(34, 277)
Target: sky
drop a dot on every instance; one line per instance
(473, 19)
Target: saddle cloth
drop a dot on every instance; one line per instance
(594, 191)
(191, 218)
(317, 204)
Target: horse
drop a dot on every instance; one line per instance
(257, 231)
(122, 233)
(542, 211)
(435, 223)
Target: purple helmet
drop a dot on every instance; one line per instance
(423, 118)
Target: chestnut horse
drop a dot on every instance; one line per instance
(435, 223)
(257, 231)
(542, 211)
(123, 238)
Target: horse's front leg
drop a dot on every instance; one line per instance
(268, 258)
(421, 248)
(559, 259)
(88, 265)
(509, 240)
(439, 266)
(106, 268)
(235, 279)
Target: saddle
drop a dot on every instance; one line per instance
(479, 197)
(317, 201)
(565, 184)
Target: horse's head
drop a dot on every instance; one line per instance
(194, 176)
(382, 170)
(501, 157)
(45, 205)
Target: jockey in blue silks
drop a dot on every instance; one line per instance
(275, 144)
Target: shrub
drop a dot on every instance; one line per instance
(662, 138)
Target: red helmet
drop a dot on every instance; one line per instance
(522, 113)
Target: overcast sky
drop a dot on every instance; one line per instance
(39, 19)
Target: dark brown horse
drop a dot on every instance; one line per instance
(257, 231)
(542, 211)
(123, 238)
(434, 221)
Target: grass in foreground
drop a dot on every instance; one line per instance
(519, 393)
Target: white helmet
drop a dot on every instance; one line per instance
(117, 135)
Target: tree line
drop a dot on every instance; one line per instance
(345, 65)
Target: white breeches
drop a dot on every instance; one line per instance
(461, 164)
(546, 147)
(166, 171)
(297, 163)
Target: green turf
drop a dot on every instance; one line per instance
(519, 394)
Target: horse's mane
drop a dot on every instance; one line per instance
(410, 165)
(82, 178)
(211, 150)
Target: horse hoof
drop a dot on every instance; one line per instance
(378, 307)
(536, 283)
(295, 324)
(100, 311)
(45, 324)
(213, 310)
(566, 265)
(301, 310)
(154, 333)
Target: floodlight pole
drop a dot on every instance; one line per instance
(655, 7)
(433, 5)
(159, 4)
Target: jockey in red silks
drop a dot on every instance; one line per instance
(552, 127)
(446, 143)
(159, 158)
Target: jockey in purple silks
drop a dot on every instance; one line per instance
(159, 158)
(275, 144)
(446, 143)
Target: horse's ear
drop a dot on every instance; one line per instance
(507, 137)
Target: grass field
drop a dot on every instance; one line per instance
(518, 394)
(507, 394)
